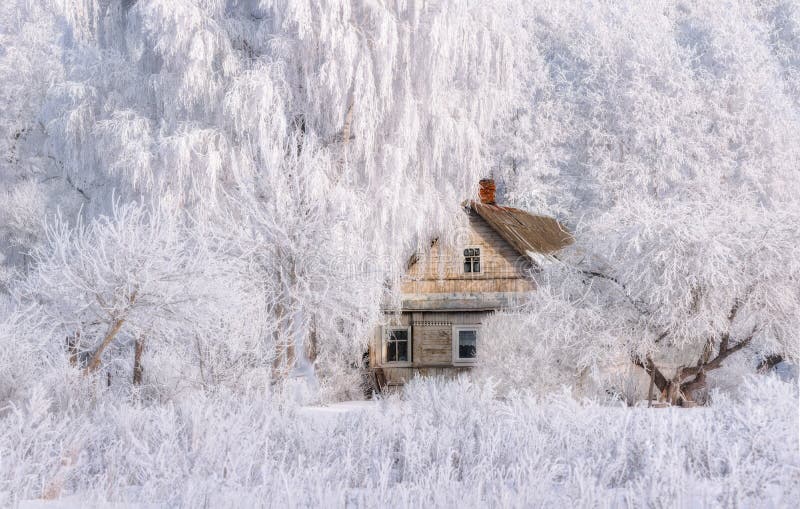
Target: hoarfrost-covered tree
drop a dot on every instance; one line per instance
(320, 143)
(137, 280)
(350, 126)
(30, 185)
(668, 139)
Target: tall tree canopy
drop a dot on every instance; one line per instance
(669, 139)
(318, 143)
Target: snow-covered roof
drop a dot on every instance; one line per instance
(525, 232)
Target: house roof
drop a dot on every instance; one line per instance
(524, 231)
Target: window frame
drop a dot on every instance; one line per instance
(385, 333)
(457, 359)
(472, 260)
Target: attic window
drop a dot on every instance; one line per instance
(472, 259)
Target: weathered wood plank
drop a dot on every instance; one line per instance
(441, 268)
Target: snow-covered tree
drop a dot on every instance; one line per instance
(336, 134)
(668, 139)
(30, 183)
(138, 281)
(339, 132)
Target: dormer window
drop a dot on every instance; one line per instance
(472, 259)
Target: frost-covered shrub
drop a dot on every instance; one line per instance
(443, 443)
(549, 344)
(137, 291)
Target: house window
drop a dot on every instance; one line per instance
(465, 344)
(472, 259)
(397, 345)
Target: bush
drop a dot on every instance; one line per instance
(443, 443)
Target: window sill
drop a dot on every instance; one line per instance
(400, 364)
(464, 363)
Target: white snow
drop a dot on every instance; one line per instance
(223, 193)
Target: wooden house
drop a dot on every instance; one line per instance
(450, 289)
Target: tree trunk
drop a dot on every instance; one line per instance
(348, 121)
(94, 363)
(113, 329)
(290, 357)
(690, 388)
(280, 368)
(688, 385)
(138, 348)
(688, 380)
(674, 396)
(72, 348)
(650, 368)
(769, 362)
(312, 342)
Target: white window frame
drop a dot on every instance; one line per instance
(458, 361)
(385, 345)
(480, 259)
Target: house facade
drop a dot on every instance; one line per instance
(450, 289)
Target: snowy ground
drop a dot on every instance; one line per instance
(442, 444)
(327, 416)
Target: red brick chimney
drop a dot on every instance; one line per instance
(486, 191)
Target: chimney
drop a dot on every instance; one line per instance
(486, 192)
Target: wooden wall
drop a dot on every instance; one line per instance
(441, 268)
(431, 344)
(439, 295)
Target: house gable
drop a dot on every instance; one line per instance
(440, 270)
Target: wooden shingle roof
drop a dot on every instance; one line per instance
(524, 231)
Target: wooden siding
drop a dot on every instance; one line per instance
(399, 376)
(441, 268)
(431, 344)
